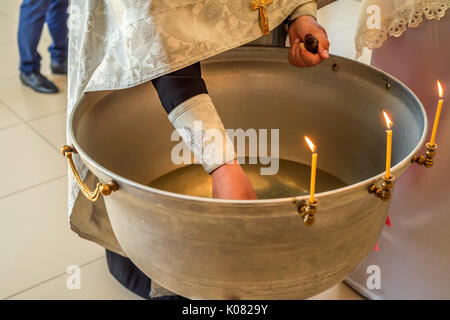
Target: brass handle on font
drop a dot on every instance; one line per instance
(101, 188)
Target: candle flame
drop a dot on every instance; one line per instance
(389, 122)
(441, 91)
(311, 145)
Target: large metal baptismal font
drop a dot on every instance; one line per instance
(204, 248)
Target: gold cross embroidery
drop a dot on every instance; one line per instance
(261, 5)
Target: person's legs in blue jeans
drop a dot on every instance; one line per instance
(57, 25)
(31, 21)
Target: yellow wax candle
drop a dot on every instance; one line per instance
(388, 145)
(437, 116)
(312, 187)
(388, 153)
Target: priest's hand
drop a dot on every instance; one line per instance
(231, 182)
(298, 55)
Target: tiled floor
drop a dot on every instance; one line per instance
(37, 245)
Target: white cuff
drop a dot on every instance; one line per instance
(198, 123)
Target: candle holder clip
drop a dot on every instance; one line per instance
(308, 211)
(428, 160)
(385, 191)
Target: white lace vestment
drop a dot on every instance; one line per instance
(395, 17)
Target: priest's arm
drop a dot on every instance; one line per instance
(185, 98)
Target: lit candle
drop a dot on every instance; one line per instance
(438, 114)
(388, 144)
(312, 188)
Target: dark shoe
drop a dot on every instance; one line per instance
(38, 82)
(59, 67)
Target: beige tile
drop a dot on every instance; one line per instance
(10, 8)
(7, 118)
(37, 243)
(30, 105)
(45, 42)
(52, 128)
(338, 292)
(26, 160)
(8, 29)
(96, 283)
(9, 61)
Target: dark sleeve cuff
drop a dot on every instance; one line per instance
(176, 87)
